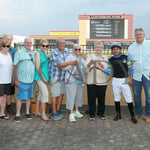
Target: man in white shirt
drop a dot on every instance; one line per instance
(139, 53)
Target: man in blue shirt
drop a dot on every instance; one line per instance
(24, 64)
(12, 51)
(139, 53)
(57, 75)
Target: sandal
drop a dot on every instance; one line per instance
(6, 117)
(45, 118)
(38, 114)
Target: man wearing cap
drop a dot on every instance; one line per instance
(120, 64)
(139, 53)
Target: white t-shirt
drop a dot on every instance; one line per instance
(6, 67)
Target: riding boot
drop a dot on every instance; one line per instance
(130, 107)
(118, 113)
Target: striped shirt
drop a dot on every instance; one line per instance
(56, 58)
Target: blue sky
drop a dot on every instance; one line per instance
(38, 17)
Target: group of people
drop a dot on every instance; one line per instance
(67, 72)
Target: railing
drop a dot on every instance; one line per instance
(86, 49)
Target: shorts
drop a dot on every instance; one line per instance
(5, 89)
(43, 94)
(25, 91)
(57, 88)
(12, 89)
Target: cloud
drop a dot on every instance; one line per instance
(29, 17)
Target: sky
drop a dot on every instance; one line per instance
(39, 17)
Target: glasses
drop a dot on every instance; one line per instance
(4, 46)
(77, 49)
(31, 57)
(45, 46)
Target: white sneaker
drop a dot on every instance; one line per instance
(77, 114)
(71, 118)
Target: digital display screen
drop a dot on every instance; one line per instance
(107, 28)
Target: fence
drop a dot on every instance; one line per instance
(86, 49)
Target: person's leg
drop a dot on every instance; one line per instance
(116, 85)
(131, 110)
(3, 104)
(79, 95)
(27, 115)
(128, 98)
(59, 102)
(60, 98)
(43, 96)
(54, 100)
(101, 91)
(18, 107)
(70, 99)
(70, 96)
(9, 99)
(43, 108)
(38, 102)
(28, 106)
(91, 91)
(55, 95)
(137, 89)
(146, 85)
(78, 100)
(44, 117)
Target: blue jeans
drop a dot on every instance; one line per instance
(137, 89)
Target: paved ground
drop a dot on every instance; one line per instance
(82, 135)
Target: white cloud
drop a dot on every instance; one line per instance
(29, 17)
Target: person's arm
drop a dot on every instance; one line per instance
(130, 79)
(37, 65)
(15, 71)
(106, 71)
(89, 63)
(130, 67)
(65, 64)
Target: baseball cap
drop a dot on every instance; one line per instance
(115, 44)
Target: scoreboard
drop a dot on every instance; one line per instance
(107, 28)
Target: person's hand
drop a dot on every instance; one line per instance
(100, 68)
(17, 83)
(90, 68)
(58, 66)
(90, 63)
(130, 82)
(45, 81)
(100, 64)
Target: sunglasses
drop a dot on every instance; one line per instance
(45, 46)
(77, 49)
(4, 46)
(31, 57)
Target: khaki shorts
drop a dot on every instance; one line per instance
(57, 88)
(43, 94)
